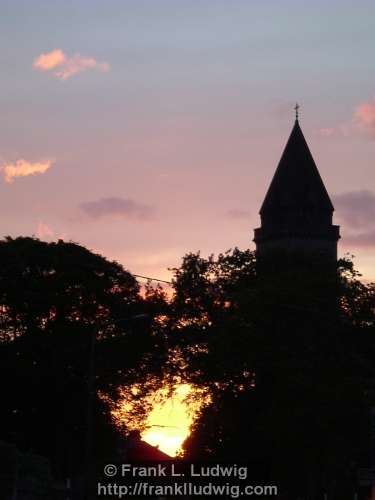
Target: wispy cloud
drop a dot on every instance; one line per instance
(46, 62)
(356, 211)
(117, 207)
(362, 121)
(46, 233)
(356, 208)
(23, 168)
(63, 66)
(364, 116)
(361, 240)
(342, 130)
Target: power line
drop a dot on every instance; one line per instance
(164, 426)
(152, 279)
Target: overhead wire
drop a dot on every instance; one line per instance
(152, 279)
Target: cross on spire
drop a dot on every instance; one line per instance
(296, 107)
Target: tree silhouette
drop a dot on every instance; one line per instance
(287, 360)
(53, 298)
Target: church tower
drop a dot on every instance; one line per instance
(296, 214)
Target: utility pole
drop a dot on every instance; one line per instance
(372, 450)
(91, 393)
(90, 407)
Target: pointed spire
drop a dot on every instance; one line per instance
(297, 183)
(296, 215)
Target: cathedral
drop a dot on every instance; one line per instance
(296, 214)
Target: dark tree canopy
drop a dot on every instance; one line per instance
(288, 362)
(286, 358)
(53, 298)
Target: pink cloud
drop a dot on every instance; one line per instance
(48, 61)
(356, 211)
(361, 240)
(365, 116)
(342, 130)
(326, 132)
(23, 168)
(46, 233)
(64, 67)
(363, 120)
(355, 208)
(77, 64)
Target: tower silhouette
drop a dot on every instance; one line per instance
(296, 214)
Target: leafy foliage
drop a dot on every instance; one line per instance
(288, 360)
(54, 297)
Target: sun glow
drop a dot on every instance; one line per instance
(168, 424)
(169, 418)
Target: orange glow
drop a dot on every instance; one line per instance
(67, 66)
(169, 419)
(168, 423)
(50, 60)
(365, 114)
(23, 168)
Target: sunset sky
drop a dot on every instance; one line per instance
(146, 129)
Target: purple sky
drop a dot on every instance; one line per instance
(147, 129)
